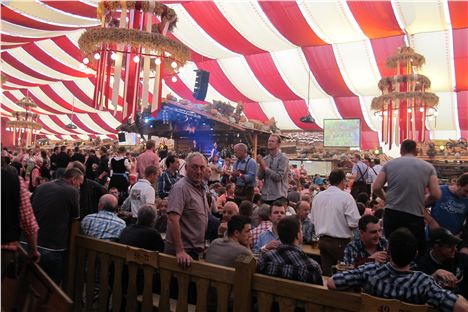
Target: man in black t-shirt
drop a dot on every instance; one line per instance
(448, 266)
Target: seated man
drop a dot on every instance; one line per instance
(448, 266)
(142, 234)
(288, 260)
(269, 239)
(230, 209)
(370, 247)
(105, 224)
(261, 216)
(225, 250)
(395, 280)
(308, 229)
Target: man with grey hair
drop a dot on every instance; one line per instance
(188, 211)
(105, 224)
(142, 234)
(273, 170)
(244, 173)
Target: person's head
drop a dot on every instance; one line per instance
(215, 159)
(195, 165)
(63, 148)
(239, 228)
(108, 202)
(92, 152)
(303, 209)
(257, 198)
(103, 150)
(151, 174)
(74, 177)
(263, 213)
(38, 161)
(306, 197)
(402, 246)
(240, 150)
(246, 208)
(337, 178)
(274, 143)
(462, 186)
(289, 230)
(369, 230)
(230, 188)
(376, 161)
(443, 243)
(114, 191)
(373, 204)
(378, 213)
(277, 212)
(76, 149)
(150, 145)
(230, 209)
(161, 205)
(408, 147)
(361, 208)
(78, 165)
(356, 158)
(122, 150)
(172, 163)
(56, 150)
(362, 198)
(146, 216)
(207, 173)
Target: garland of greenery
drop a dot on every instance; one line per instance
(26, 101)
(23, 124)
(405, 54)
(92, 40)
(378, 103)
(385, 82)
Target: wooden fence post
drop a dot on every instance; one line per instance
(69, 282)
(246, 266)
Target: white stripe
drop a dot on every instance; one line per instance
(21, 31)
(12, 71)
(84, 118)
(278, 111)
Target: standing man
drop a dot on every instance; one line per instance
(169, 177)
(92, 164)
(360, 174)
(335, 215)
(147, 158)
(244, 173)
(407, 178)
(56, 204)
(142, 192)
(273, 170)
(188, 211)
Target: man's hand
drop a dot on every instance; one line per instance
(380, 256)
(445, 277)
(222, 229)
(35, 256)
(272, 244)
(183, 259)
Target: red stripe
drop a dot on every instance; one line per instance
(218, 27)
(68, 46)
(51, 62)
(78, 92)
(73, 7)
(458, 14)
(18, 81)
(40, 103)
(224, 86)
(7, 57)
(10, 46)
(462, 102)
(298, 109)
(460, 51)
(60, 124)
(101, 123)
(22, 20)
(376, 18)
(83, 126)
(289, 21)
(383, 48)
(47, 89)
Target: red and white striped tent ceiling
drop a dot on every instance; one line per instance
(259, 53)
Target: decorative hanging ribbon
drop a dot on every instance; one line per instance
(147, 59)
(118, 60)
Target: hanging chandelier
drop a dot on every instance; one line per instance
(404, 104)
(25, 125)
(130, 49)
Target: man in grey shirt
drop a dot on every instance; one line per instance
(273, 170)
(407, 178)
(225, 250)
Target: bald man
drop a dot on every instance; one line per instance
(105, 224)
(230, 209)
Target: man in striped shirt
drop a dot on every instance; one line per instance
(395, 280)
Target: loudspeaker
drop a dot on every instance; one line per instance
(121, 137)
(201, 84)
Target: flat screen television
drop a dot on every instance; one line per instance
(342, 133)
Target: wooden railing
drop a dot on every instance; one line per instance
(108, 275)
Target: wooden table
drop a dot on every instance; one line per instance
(311, 251)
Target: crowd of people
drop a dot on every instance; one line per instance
(395, 230)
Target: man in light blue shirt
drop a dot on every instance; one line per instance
(269, 239)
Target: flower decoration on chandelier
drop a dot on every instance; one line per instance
(25, 124)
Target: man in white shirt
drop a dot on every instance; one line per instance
(142, 193)
(334, 215)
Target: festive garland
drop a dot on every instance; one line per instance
(385, 82)
(159, 9)
(27, 114)
(23, 124)
(91, 41)
(431, 100)
(405, 54)
(26, 101)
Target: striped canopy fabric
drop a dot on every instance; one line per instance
(260, 53)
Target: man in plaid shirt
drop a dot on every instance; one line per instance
(105, 224)
(264, 223)
(288, 260)
(395, 280)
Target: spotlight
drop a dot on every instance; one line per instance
(157, 61)
(97, 56)
(85, 60)
(174, 64)
(146, 120)
(409, 110)
(136, 59)
(113, 56)
(421, 109)
(174, 79)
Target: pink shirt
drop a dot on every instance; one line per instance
(146, 159)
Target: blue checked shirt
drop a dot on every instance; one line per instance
(386, 282)
(356, 254)
(102, 225)
(165, 183)
(290, 262)
(308, 230)
(264, 238)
